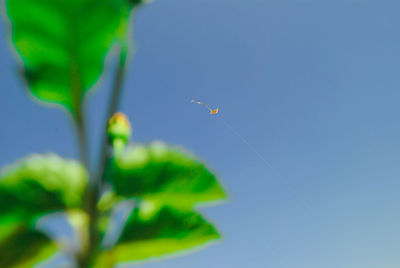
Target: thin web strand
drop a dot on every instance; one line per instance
(267, 163)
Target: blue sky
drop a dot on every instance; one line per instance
(313, 85)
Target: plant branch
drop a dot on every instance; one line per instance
(82, 139)
(112, 108)
(97, 180)
(80, 125)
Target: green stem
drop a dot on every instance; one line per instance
(96, 182)
(80, 124)
(112, 108)
(82, 140)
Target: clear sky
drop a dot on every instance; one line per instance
(314, 85)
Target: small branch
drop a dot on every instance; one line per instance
(94, 189)
(80, 125)
(112, 108)
(82, 140)
(97, 179)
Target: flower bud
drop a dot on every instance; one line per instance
(118, 131)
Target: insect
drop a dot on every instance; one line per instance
(234, 131)
(215, 111)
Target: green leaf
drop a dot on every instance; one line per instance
(40, 184)
(63, 44)
(25, 248)
(34, 186)
(163, 174)
(151, 232)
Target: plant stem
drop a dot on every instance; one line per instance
(82, 140)
(80, 124)
(96, 182)
(112, 108)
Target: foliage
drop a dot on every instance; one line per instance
(163, 174)
(62, 46)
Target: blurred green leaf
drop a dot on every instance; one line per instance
(40, 184)
(151, 232)
(163, 174)
(25, 248)
(63, 44)
(34, 186)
